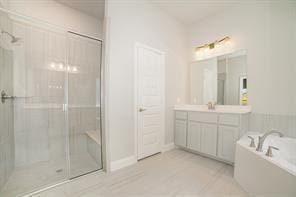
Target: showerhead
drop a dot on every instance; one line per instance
(14, 39)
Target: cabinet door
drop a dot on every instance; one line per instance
(180, 132)
(209, 139)
(194, 136)
(226, 143)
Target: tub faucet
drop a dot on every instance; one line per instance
(262, 139)
(269, 151)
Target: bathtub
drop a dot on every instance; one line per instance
(269, 176)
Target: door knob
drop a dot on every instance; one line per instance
(142, 109)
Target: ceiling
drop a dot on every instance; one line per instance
(93, 8)
(190, 11)
(185, 11)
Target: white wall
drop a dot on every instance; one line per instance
(268, 32)
(58, 14)
(139, 22)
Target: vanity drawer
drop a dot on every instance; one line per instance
(181, 115)
(229, 119)
(203, 117)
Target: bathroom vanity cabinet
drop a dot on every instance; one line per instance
(211, 133)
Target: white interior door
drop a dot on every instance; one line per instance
(149, 100)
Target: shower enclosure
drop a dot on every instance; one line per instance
(50, 106)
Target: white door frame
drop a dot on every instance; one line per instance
(136, 107)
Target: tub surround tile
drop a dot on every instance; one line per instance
(266, 122)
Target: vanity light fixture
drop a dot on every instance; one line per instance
(215, 44)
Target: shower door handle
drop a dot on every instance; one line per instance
(65, 107)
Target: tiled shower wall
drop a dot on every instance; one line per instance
(40, 131)
(6, 120)
(4, 3)
(6, 109)
(39, 120)
(266, 122)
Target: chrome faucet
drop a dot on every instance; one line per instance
(211, 105)
(269, 151)
(262, 139)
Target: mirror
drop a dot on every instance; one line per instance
(221, 79)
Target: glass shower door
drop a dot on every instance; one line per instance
(50, 106)
(33, 140)
(84, 104)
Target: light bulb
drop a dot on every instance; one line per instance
(217, 44)
(227, 40)
(74, 69)
(52, 65)
(61, 66)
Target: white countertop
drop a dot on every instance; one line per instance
(233, 109)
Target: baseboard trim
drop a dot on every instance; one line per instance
(121, 163)
(168, 147)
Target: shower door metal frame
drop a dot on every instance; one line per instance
(67, 103)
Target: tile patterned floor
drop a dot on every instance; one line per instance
(172, 174)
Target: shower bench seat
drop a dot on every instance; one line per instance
(94, 145)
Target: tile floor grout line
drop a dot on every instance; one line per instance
(175, 173)
(214, 178)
